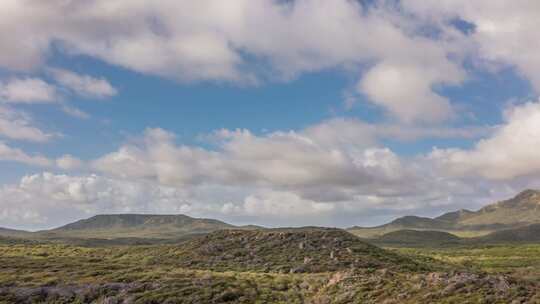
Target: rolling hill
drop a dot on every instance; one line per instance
(522, 210)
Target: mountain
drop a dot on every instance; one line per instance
(136, 226)
(109, 229)
(522, 210)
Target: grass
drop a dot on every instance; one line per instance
(519, 260)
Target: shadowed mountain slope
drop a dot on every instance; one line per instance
(417, 238)
(526, 234)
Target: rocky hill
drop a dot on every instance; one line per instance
(297, 250)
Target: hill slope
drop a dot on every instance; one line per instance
(522, 210)
(526, 234)
(5, 232)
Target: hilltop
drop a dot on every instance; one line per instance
(519, 211)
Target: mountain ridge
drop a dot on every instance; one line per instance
(518, 211)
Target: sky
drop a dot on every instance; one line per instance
(276, 113)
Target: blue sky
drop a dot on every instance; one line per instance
(265, 112)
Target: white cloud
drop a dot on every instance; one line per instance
(84, 85)
(47, 199)
(511, 152)
(27, 90)
(284, 39)
(405, 90)
(8, 153)
(324, 155)
(19, 125)
(504, 32)
(68, 162)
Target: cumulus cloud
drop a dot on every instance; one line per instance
(16, 124)
(321, 156)
(84, 85)
(334, 160)
(509, 153)
(333, 173)
(47, 199)
(404, 89)
(502, 32)
(27, 90)
(284, 38)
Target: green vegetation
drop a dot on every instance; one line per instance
(517, 260)
(308, 265)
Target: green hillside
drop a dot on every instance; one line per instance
(415, 238)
